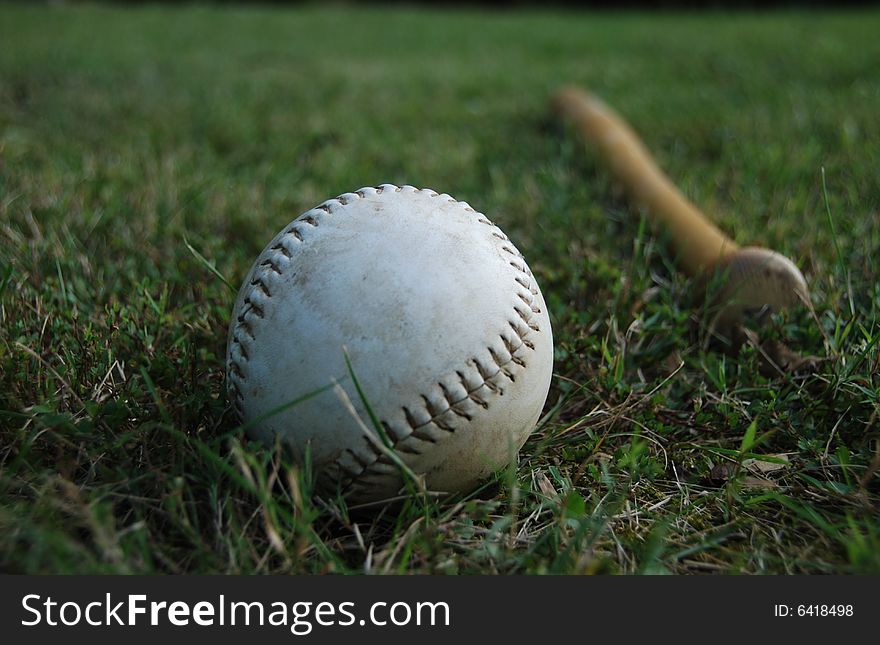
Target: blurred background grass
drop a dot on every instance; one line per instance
(124, 131)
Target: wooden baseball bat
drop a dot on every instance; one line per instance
(756, 280)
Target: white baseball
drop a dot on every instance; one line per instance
(445, 327)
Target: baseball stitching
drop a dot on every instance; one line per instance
(462, 394)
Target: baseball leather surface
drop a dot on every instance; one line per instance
(444, 325)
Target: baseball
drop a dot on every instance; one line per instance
(422, 302)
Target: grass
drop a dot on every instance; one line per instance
(143, 152)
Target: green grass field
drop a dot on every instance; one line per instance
(126, 135)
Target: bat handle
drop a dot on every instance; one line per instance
(699, 244)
